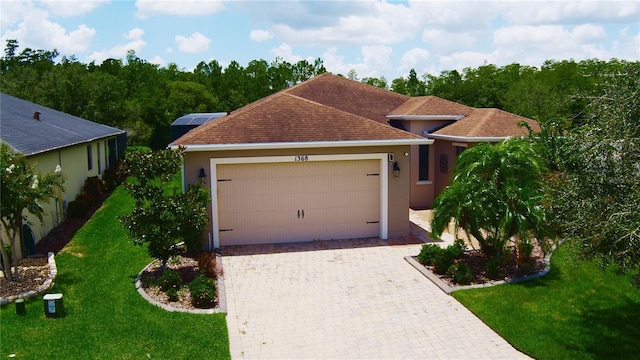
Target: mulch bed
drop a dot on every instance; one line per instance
(477, 262)
(32, 273)
(34, 270)
(187, 267)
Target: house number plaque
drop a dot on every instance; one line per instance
(300, 158)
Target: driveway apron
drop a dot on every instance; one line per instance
(346, 300)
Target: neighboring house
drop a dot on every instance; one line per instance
(331, 158)
(186, 123)
(49, 138)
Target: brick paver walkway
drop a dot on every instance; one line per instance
(346, 299)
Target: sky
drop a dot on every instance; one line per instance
(374, 38)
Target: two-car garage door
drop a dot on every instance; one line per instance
(271, 202)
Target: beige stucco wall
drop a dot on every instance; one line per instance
(398, 198)
(74, 164)
(422, 193)
(449, 150)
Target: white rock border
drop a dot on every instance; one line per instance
(48, 283)
(222, 301)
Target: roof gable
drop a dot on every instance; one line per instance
(430, 105)
(53, 130)
(351, 96)
(286, 118)
(488, 122)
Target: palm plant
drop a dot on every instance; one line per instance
(497, 196)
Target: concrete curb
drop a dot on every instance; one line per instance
(449, 289)
(48, 283)
(222, 302)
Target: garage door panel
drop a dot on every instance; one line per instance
(252, 219)
(261, 202)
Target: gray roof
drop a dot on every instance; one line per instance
(197, 118)
(54, 129)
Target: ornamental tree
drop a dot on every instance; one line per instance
(163, 215)
(497, 195)
(22, 189)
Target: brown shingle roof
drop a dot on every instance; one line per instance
(488, 123)
(284, 118)
(431, 105)
(351, 96)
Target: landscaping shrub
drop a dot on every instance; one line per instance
(95, 187)
(443, 262)
(77, 208)
(87, 198)
(203, 291)
(447, 257)
(428, 254)
(172, 294)
(170, 280)
(112, 177)
(457, 248)
(495, 267)
(207, 264)
(461, 273)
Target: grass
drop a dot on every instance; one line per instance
(105, 317)
(577, 311)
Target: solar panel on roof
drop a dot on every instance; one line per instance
(197, 118)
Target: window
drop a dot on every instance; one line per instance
(106, 156)
(423, 158)
(460, 149)
(89, 158)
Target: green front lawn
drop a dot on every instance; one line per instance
(576, 311)
(106, 318)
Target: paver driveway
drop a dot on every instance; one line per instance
(346, 300)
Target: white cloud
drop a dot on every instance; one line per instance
(12, 13)
(570, 12)
(148, 8)
(447, 42)
(136, 44)
(374, 60)
(36, 30)
(195, 44)
(548, 38)
(377, 57)
(72, 7)
(260, 35)
(285, 52)
(134, 34)
(416, 58)
(382, 24)
(158, 61)
(461, 60)
(455, 16)
(627, 46)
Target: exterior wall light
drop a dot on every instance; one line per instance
(396, 169)
(202, 176)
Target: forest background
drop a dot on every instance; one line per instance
(144, 98)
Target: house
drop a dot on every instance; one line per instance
(49, 138)
(331, 158)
